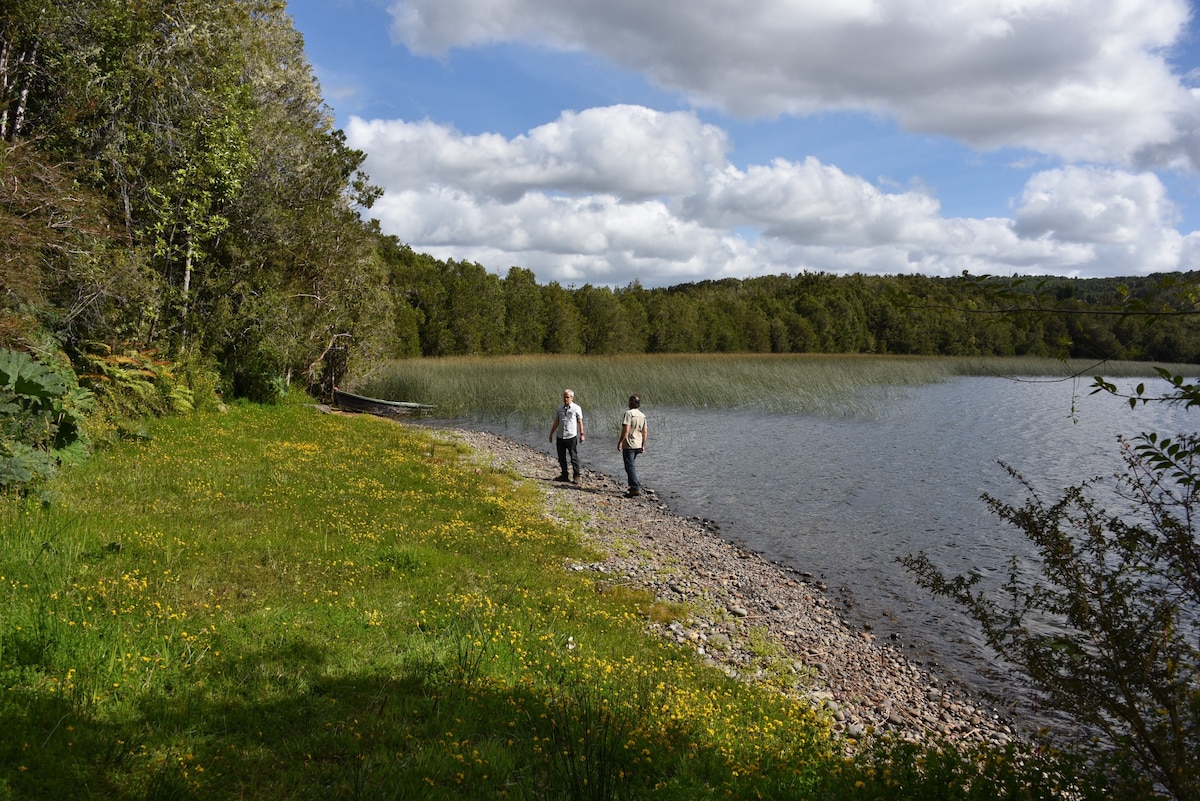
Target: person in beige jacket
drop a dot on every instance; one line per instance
(634, 436)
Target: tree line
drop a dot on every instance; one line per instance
(446, 308)
(173, 187)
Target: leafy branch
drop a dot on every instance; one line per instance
(1109, 632)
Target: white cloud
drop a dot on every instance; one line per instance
(632, 150)
(617, 194)
(811, 202)
(1093, 205)
(1083, 80)
(1127, 218)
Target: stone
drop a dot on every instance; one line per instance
(674, 557)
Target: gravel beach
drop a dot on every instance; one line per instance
(753, 619)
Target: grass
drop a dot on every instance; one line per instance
(518, 388)
(271, 603)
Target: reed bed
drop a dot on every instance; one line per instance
(518, 389)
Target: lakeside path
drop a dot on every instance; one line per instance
(753, 619)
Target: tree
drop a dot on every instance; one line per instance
(419, 292)
(674, 323)
(65, 273)
(475, 300)
(524, 311)
(633, 303)
(297, 285)
(153, 98)
(197, 127)
(603, 320)
(562, 320)
(27, 30)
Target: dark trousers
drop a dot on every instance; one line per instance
(628, 456)
(565, 447)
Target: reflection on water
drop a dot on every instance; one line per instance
(842, 497)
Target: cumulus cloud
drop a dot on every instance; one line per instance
(1082, 80)
(811, 202)
(1124, 218)
(617, 194)
(633, 150)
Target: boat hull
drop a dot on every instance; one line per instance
(350, 402)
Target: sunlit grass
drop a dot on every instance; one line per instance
(518, 388)
(274, 603)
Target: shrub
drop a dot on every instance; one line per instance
(1110, 631)
(41, 416)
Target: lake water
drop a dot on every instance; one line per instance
(843, 496)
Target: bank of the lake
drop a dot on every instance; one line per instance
(269, 602)
(274, 603)
(754, 619)
(888, 464)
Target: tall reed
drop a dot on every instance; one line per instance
(522, 388)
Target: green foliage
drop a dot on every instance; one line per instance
(458, 310)
(132, 385)
(41, 417)
(67, 273)
(173, 183)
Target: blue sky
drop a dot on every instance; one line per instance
(610, 141)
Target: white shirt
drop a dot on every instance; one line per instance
(569, 415)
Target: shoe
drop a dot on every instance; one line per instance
(563, 477)
(633, 493)
(575, 480)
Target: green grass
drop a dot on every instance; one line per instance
(271, 603)
(518, 388)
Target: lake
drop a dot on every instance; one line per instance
(842, 496)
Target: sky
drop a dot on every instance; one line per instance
(672, 141)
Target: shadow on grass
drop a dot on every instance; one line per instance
(272, 724)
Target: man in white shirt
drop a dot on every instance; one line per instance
(568, 422)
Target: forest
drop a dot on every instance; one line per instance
(448, 308)
(175, 195)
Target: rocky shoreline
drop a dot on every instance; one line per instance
(753, 619)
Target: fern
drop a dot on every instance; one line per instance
(133, 384)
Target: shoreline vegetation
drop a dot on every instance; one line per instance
(269, 602)
(515, 388)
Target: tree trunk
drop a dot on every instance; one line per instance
(187, 288)
(4, 81)
(14, 118)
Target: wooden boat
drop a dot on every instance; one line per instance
(360, 403)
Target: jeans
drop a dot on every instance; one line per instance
(628, 455)
(568, 446)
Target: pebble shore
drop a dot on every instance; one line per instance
(753, 619)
